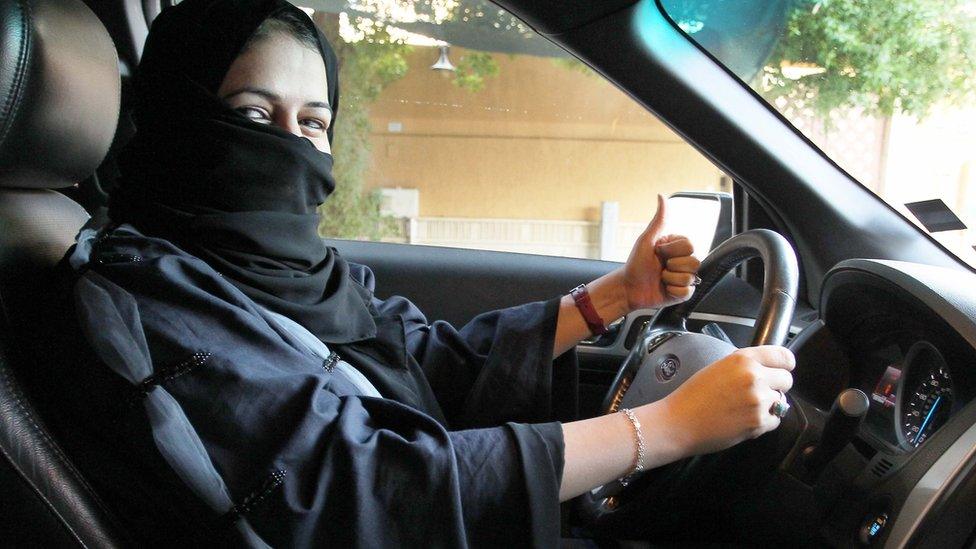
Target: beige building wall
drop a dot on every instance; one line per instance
(933, 158)
(540, 141)
(904, 159)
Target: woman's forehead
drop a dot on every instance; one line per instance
(281, 65)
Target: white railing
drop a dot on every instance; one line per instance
(545, 237)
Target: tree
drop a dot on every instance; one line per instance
(366, 67)
(881, 56)
(370, 59)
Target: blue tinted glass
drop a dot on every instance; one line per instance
(740, 33)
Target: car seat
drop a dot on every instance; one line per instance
(59, 108)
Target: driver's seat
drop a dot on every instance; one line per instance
(59, 107)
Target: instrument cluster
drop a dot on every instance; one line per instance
(913, 396)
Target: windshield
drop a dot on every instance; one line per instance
(885, 88)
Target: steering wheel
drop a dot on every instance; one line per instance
(666, 354)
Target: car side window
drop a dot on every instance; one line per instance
(459, 126)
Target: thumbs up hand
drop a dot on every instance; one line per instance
(661, 269)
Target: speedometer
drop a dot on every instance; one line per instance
(926, 396)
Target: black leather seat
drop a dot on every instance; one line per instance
(59, 107)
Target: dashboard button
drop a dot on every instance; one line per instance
(872, 528)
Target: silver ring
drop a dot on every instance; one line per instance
(697, 281)
(781, 407)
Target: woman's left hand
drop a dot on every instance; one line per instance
(661, 269)
(660, 272)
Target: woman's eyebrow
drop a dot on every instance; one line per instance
(256, 91)
(273, 97)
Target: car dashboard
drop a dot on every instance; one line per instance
(905, 335)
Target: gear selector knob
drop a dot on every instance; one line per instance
(845, 418)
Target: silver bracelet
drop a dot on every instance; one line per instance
(641, 448)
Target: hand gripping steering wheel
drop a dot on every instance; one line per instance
(665, 354)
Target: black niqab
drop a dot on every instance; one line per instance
(240, 195)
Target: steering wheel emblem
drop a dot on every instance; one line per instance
(667, 368)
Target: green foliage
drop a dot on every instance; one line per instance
(882, 56)
(473, 69)
(574, 65)
(366, 67)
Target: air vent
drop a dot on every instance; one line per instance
(881, 468)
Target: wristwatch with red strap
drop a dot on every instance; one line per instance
(585, 305)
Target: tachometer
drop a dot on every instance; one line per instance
(926, 396)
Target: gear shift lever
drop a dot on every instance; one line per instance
(845, 418)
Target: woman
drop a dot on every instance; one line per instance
(257, 392)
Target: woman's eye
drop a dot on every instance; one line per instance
(256, 114)
(314, 124)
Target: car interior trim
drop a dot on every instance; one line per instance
(618, 347)
(931, 487)
(945, 291)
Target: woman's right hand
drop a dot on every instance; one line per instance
(728, 401)
(723, 404)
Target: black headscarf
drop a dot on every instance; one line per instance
(241, 195)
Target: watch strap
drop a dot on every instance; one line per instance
(581, 296)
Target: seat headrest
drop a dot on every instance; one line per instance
(59, 93)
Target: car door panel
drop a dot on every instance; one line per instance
(455, 285)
